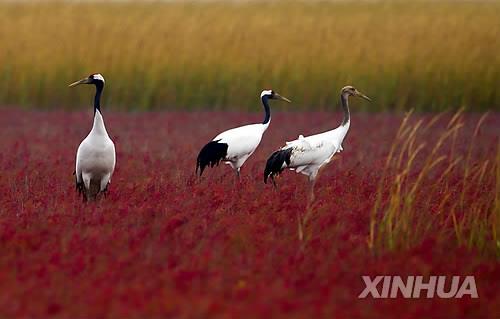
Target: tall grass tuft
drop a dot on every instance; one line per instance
(440, 193)
(220, 55)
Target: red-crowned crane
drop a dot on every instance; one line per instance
(235, 146)
(307, 155)
(95, 158)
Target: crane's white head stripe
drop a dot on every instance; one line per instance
(266, 92)
(98, 77)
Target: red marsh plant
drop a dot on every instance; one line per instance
(410, 199)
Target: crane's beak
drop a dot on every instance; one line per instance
(82, 81)
(361, 95)
(277, 96)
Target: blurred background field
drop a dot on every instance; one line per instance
(430, 56)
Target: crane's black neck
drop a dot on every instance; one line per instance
(267, 110)
(99, 86)
(344, 101)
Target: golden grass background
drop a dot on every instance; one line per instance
(424, 55)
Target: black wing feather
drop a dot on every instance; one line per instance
(210, 155)
(274, 165)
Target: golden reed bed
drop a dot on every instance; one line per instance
(427, 56)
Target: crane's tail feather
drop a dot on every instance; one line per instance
(210, 155)
(276, 163)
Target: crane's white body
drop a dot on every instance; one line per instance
(96, 157)
(242, 142)
(236, 145)
(310, 153)
(306, 155)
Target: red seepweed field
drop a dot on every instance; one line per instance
(420, 198)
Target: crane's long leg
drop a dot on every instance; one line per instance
(274, 183)
(105, 191)
(303, 220)
(312, 183)
(312, 197)
(238, 176)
